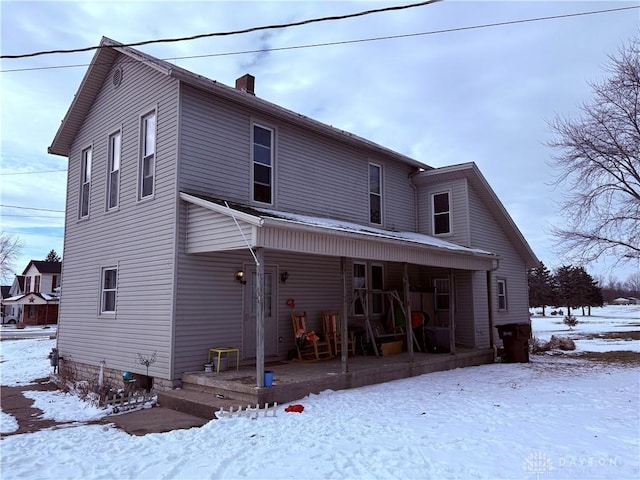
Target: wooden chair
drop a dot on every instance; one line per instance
(308, 344)
(333, 331)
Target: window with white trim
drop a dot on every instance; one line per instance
(443, 295)
(115, 144)
(502, 294)
(85, 184)
(148, 155)
(441, 208)
(359, 283)
(262, 160)
(36, 283)
(375, 194)
(108, 290)
(27, 284)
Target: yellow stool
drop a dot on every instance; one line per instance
(226, 351)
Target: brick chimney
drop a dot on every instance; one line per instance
(246, 83)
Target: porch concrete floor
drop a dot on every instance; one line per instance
(294, 380)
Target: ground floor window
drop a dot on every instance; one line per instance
(109, 288)
(502, 294)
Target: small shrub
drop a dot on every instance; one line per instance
(570, 321)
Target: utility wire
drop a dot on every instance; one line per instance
(345, 42)
(32, 216)
(29, 208)
(233, 32)
(30, 173)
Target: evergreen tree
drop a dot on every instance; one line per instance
(567, 287)
(52, 256)
(542, 287)
(578, 289)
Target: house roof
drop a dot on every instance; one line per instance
(258, 227)
(44, 267)
(106, 55)
(36, 298)
(472, 173)
(5, 290)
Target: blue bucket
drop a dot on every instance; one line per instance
(268, 378)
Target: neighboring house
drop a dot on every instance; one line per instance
(626, 301)
(34, 296)
(7, 312)
(177, 182)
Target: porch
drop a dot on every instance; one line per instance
(203, 393)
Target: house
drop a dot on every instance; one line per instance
(34, 296)
(626, 301)
(198, 214)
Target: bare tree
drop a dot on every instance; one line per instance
(599, 165)
(10, 249)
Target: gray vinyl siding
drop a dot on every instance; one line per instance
(487, 234)
(215, 147)
(314, 175)
(464, 311)
(209, 232)
(481, 309)
(209, 305)
(459, 208)
(137, 238)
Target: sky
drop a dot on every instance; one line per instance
(485, 95)
(557, 417)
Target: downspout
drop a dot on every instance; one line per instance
(490, 307)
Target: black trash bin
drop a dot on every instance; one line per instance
(515, 338)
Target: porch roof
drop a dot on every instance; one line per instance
(214, 225)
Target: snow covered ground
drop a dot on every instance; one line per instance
(558, 417)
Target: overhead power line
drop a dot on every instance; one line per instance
(29, 208)
(31, 173)
(362, 40)
(232, 32)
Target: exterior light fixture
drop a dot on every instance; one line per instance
(284, 276)
(240, 277)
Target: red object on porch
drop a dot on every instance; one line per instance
(296, 407)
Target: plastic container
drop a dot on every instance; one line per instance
(268, 378)
(515, 338)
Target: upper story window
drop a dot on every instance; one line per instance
(148, 155)
(441, 207)
(262, 164)
(375, 194)
(36, 283)
(27, 284)
(108, 290)
(55, 282)
(85, 184)
(115, 143)
(502, 294)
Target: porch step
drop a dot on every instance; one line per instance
(236, 391)
(200, 404)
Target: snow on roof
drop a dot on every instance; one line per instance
(350, 227)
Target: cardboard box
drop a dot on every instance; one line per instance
(391, 348)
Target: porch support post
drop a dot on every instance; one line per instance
(407, 309)
(259, 317)
(344, 350)
(452, 314)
